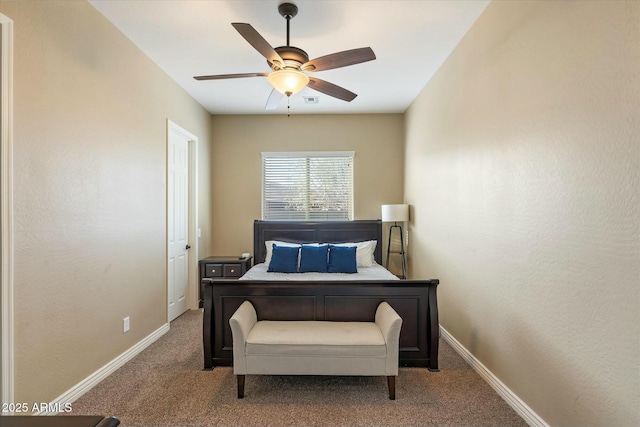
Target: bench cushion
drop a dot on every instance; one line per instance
(316, 338)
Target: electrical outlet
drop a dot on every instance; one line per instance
(125, 324)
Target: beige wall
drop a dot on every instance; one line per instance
(522, 159)
(238, 142)
(90, 114)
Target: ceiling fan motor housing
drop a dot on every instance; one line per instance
(292, 56)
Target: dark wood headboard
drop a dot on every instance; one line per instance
(316, 232)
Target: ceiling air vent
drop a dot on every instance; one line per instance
(311, 99)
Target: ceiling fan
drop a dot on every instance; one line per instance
(290, 64)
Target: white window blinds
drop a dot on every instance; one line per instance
(307, 186)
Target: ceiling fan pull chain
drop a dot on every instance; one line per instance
(288, 106)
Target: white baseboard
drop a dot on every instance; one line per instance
(94, 379)
(509, 396)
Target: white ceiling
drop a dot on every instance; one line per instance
(186, 38)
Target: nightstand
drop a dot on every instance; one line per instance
(222, 267)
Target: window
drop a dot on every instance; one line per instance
(307, 186)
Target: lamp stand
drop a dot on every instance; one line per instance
(401, 252)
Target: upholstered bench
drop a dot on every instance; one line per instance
(315, 347)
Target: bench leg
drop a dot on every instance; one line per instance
(240, 386)
(391, 380)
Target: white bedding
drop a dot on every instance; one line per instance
(375, 272)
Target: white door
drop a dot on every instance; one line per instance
(177, 223)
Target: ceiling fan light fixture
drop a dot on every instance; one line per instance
(288, 82)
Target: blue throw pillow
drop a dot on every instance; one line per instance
(314, 258)
(284, 259)
(342, 259)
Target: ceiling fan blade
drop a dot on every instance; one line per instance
(340, 59)
(273, 100)
(258, 42)
(230, 76)
(331, 89)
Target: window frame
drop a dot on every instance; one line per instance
(310, 155)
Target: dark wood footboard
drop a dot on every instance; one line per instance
(414, 300)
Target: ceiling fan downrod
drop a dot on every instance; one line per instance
(288, 23)
(288, 11)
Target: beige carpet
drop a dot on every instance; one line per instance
(165, 386)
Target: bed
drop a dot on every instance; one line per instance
(322, 296)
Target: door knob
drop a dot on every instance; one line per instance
(188, 247)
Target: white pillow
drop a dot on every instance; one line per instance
(269, 247)
(365, 252)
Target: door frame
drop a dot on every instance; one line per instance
(192, 281)
(6, 209)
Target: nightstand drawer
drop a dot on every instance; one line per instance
(221, 268)
(232, 270)
(213, 270)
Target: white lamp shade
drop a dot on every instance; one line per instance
(395, 213)
(288, 82)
